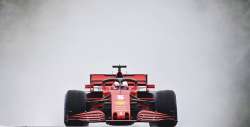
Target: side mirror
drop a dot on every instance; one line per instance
(151, 86)
(88, 86)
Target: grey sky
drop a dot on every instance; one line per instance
(199, 48)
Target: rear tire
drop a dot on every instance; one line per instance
(75, 102)
(165, 103)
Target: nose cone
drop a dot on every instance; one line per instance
(120, 115)
(120, 104)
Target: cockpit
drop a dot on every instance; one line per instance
(120, 85)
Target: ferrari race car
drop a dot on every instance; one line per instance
(120, 99)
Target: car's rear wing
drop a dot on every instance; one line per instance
(96, 79)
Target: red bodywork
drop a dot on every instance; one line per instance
(125, 104)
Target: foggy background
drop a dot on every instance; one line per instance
(198, 48)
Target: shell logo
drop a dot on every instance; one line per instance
(120, 102)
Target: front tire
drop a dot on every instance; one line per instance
(75, 102)
(165, 103)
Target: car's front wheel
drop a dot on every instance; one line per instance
(75, 102)
(165, 103)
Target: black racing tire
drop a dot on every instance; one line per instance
(165, 103)
(75, 102)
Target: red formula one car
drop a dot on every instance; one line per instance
(120, 99)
